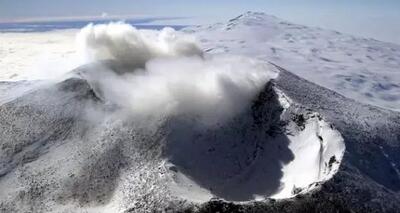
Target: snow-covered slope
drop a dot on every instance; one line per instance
(27, 56)
(64, 147)
(271, 151)
(369, 178)
(363, 69)
(157, 125)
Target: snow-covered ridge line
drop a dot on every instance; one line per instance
(362, 69)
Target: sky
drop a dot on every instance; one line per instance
(379, 19)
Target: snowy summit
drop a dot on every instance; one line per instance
(252, 115)
(363, 69)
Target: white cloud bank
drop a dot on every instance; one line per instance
(166, 73)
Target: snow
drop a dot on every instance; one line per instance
(315, 151)
(394, 165)
(196, 101)
(27, 56)
(69, 148)
(359, 68)
(366, 70)
(184, 187)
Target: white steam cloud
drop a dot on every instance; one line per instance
(132, 47)
(167, 74)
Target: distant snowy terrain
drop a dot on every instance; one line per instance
(149, 121)
(364, 69)
(27, 56)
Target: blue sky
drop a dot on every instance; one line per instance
(378, 19)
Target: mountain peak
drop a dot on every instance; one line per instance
(250, 18)
(254, 16)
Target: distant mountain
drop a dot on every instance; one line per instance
(364, 69)
(296, 146)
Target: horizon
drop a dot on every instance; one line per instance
(365, 18)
